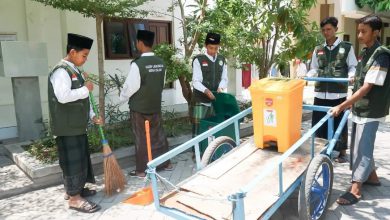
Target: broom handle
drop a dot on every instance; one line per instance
(96, 111)
(148, 145)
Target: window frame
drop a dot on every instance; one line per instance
(108, 47)
(127, 22)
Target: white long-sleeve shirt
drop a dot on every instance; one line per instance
(62, 84)
(351, 62)
(197, 76)
(133, 81)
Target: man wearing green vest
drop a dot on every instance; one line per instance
(209, 75)
(143, 91)
(70, 110)
(333, 59)
(370, 105)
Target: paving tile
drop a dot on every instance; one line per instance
(11, 177)
(5, 161)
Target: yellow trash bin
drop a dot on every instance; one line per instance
(277, 111)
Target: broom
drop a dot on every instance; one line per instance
(114, 180)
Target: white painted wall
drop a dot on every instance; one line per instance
(348, 5)
(10, 10)
(32, 21)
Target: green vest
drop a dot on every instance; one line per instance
(332, 64)
(376, 103)
(147, 100)
(68, 119)
(212, 74)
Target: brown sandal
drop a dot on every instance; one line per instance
(87, 207)
(349, 199)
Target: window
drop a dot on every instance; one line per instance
(346, 37)
(120, 36)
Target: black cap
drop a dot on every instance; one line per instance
(213, 38)
(79, 41)
(145, 35)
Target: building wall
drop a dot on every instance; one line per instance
(32, 21)
(10, 10)
(347, 12)
(350, 29)
(314, 13)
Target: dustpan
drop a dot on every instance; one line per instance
(143, 196)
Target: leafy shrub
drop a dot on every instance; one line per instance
(173, 125)
(44, 150)
(243, 106)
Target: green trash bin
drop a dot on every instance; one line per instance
(225, 106)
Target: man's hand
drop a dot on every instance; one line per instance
(97, 120)
(219, 90)
(89, 85)
(351, 80)
(335, 111)
(209, 94)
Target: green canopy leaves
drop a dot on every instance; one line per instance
(89, 8)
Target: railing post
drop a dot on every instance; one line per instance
(280, 179)
(197, 157)
(237, 132)
(238, 205)
(330, 128)
(153, 179)
(313, 136)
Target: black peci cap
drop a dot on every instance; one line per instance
(79, 41)
(213, 38)
(145, 35)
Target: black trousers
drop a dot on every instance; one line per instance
(322, 132)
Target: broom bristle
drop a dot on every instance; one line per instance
(114, 179)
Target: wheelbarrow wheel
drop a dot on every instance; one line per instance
(218, 147)
(316, 188)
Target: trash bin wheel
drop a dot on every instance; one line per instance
(316, 188)
(218, 147)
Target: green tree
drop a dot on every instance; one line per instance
(264, 32)
(376, 5)
(99, 10)
(192, 26)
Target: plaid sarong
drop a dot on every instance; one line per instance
(75, 162)
(199, 112)
(158, 139)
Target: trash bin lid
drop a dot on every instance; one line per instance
(276, 85)
(225, 105)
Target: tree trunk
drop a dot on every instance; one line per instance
(185, 88)
(99, 20)
(262, 71)
(187, 92)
